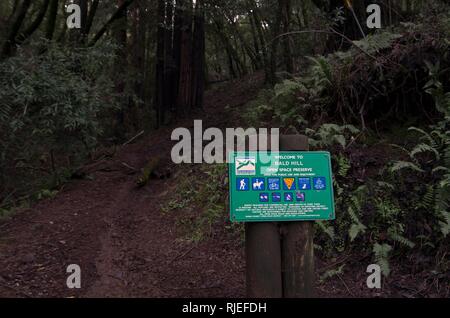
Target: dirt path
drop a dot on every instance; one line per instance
(118, 235)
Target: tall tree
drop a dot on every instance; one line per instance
(184, 96)
(198, 56)
(285, 7)
(51, 20)
(159, 78)
(10, 40)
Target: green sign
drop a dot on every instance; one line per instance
(280, 186)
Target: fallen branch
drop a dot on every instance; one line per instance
(182, 255)
(134, 138)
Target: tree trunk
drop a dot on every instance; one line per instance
(262, 39)
(184, 99)
(90, 17)
(271, 76)
(253, 27)
(10, 41)
(34, 25)
(176, 49)
(51, 22)
(285, 7)
(120, 35)
(159, 91)
(169, 63)
(198, 56)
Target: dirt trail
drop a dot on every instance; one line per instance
(124, 244)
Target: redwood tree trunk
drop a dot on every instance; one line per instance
(159, 91)
(184, 99)
(198, 56)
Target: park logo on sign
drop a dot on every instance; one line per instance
(245, 166)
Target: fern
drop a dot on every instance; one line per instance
(377, 42)
(355, 205)
(445, 225)
(381, 253)
(343, 166)
(330, 134)
(329, 230)
(287, 88)
(397, 237)
(355, 229)
(401, 165)
(421, 148)
(323, 68)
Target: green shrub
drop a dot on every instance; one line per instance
(53, 108)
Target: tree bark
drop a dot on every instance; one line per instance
(253, 27)
(10, 41)
(198, 56)
(285, 7)
(116, 15)
(120, 35)
(169, 63)
(271, 76)
(51, 22)
(34, 25)
(159, 91)
(184, 99)
(91, 16)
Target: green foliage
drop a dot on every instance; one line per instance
(374, 43)
(332, 273)
(331, 134)
(431, 159)
(202, 201)
(52, 106)
(381, 253)
(46, 194)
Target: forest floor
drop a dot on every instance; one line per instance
(125, 244)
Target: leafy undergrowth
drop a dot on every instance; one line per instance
(200, 201)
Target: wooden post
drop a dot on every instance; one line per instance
(297, 251)
(280, 256)
(263, 260)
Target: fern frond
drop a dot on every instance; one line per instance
(377, 42)
(355, 229)
(329, 230)
(400, 239)
(343, 166)
(400, 165)
(445, 225)
(381, 253)
(421, 148)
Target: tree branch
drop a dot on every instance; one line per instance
(34, 25)
(114, 17)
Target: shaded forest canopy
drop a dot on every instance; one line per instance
(378, 99)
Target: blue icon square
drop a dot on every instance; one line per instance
(300, 196)
(258, 184)
(304, 183)
(273, 184)
(288, 197)
(319, 183)
(289, 184)
(243, 184)
(276, 197)
(264, 197)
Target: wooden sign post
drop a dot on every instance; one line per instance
(298, 248)
(279, 199)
